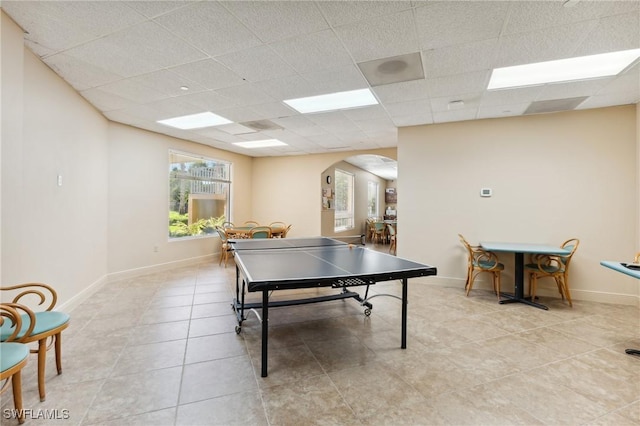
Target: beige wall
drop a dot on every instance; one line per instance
(361, 180)
(139, 199)
(553, 176)
(288, 188)
(50, 233)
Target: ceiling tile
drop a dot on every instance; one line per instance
(573, 89)
(209, 73)
(450, 23)
(471, 100)
(152, 9)
(290, 87)
(528, 16)
(275, 20)
(458, 84)
(542, 45)
(346, 12)
(380, 37)
(168, 82)
(210, 27)
(246, 94)
(257, 64)
(273, 110)
(511, 96)
(494, 111)
(105, 101)
(239, 114)
(149, 48)
(78, 73)
(208, 101)
(405, 91)
(366, 113)
(130, 89)
(398, 109)
(334, 120)
(313, 52)
(458, 115)
(340, 79)
(611, 34)
(461, 58)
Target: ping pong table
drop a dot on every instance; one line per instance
(267, 265)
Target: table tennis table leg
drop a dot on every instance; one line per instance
(403, 343)
(265, 330)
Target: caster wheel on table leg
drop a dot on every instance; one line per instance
(367, 312)
(238, 329)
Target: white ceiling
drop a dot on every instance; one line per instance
(241, 59)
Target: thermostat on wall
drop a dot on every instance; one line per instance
(485, 192)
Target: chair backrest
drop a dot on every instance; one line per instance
(11, 322)
(466, 245)
(260, 232)
(637, 258)
(285, 232)
(391, 229)
(222, 234)
(277, 225)
(379, 226)
(251, 223)
(226, 225)
(571, 244)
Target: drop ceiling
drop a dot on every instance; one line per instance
(240, 59)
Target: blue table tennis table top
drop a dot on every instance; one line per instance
(286, 263)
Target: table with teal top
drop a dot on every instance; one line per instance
(624, 268)
(519, 249)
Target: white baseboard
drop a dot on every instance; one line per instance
(576, 293)
(85, 294)
(136, 272)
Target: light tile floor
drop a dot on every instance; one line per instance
(161, 350)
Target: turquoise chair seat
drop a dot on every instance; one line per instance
(12, 354)
(488, 264)
(45, 321)
(549, 269)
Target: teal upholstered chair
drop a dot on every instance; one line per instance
(480, 260)
(552, 266)
(36, 326)
(13, 357)
(260, 232)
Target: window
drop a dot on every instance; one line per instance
(344, 201)
(199, 191)
(372, 199)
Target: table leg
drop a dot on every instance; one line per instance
(403, 343)
(633, 352)
(518, 296)
(265, 330)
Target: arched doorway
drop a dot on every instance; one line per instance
(355, 189)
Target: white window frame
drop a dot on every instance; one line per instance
(216, 181)
(344, 219)
(373, 189)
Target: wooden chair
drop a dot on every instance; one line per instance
(379, 232)
(285, 232)
(391, 231)
(552, 266)
(260, 232)
(225, 249)
(251, 223)
(13, 355)
(226, 225)
(37, 326)
(480, 260)
(277, 229)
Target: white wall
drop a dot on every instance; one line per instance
(139, 200)
(554, 177)
(50, 233)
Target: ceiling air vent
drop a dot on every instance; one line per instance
(261, 125)
(554, 105)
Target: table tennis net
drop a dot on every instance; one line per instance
(299, 243)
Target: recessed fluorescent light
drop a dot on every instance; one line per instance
(580, 68)
(260, 144)
(333, 101)
(195, 121)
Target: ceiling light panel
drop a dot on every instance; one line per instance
(195, 121)
(260, 144)
(333, 101)
(572, 69)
